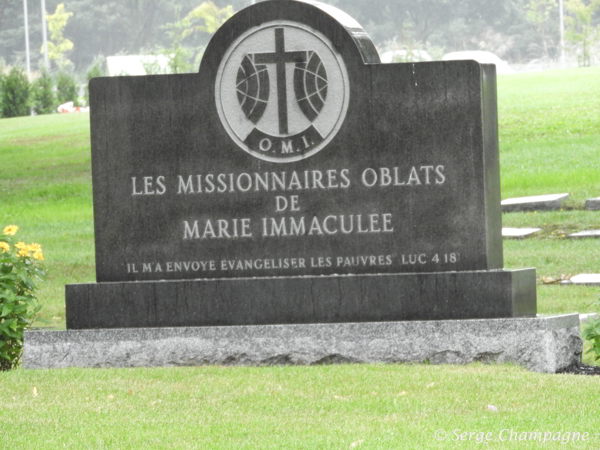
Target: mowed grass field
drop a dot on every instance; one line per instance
(375, 407)
(549, 143)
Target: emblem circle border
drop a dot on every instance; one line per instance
(222, 115)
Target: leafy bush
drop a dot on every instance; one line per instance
(1, 95)
(97, 70)
(66, 88)
(2, 77)
(592, 333)
(15, 94)
(43, 98)
(20, 268)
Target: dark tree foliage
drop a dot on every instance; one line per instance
(15, 94)
(12, 28)
(111, 27)
(44, 101)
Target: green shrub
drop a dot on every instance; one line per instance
(20, 268)
(2, 77)
(44, 101)
(15, 94)
(97, 70)
(592, 333)
(66, 88)
(1, 95)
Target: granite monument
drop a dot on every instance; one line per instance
(298, 202)
(296, 179)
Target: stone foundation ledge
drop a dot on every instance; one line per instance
(541, 344)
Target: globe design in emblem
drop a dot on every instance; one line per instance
(252, 88)
(310, 85)
(282, 91)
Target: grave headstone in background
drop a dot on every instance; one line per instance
(518, 233)
(584, 279)
(548, 202)
(593, 204)
(296, 180)
(585, 234)
(122, 65)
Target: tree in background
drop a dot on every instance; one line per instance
(580, 30)
(177, 54)
(205, 18)
(66, 88)
(58, 45)
(539, 14)
(15, 94)
(517, 30)
(44, 101)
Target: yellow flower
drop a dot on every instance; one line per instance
(34, 247)
(21, 245)
(11, 230)
(23, 252)
(4, 247)
(38, 255)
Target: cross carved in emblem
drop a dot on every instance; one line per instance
(280, 57)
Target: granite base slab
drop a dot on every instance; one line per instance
(294, 300)
(541, 344)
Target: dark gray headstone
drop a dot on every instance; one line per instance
(295, 153)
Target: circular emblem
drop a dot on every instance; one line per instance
(282, 91)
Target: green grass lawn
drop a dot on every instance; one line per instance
(550, 134)
(45, 188)
(549, 143)
(320, 407)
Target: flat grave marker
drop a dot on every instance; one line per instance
(548, 202)
(593, 204)
(585, 279)
(518, 233)
(585, 234)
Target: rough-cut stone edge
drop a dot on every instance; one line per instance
(592, 204)
(541, 344)
(535, 203)
(525, 232)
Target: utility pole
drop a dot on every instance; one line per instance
(44, 35)
(26, 41)
(562, 34)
